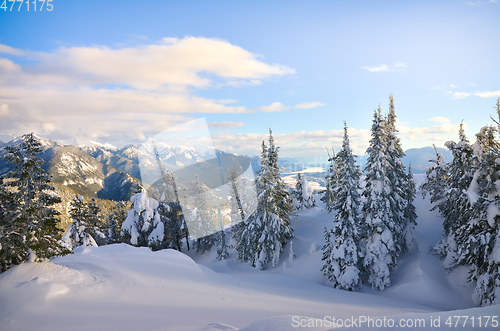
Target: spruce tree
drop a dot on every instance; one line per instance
(120, 211)
(10, 241)
(378, 218)
(264, 233)
(331, 179)
(29, 220)
(143, 226)
(97, 227)
(478, 240)
(460, 176)
(297, 198)
(302, 194)
(409, 213)
(343, 251)
(175, 228)
(455, 206)
(80, 232)
(222, 252)
(112, 233)
(436, 178)
(398, 178)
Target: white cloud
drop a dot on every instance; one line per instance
(480, 3)
(274, 107)
(385, 67)
(439, 119)
(9, 67)
(225, 125)
(151, 67)
(48, 127)
(462, 95)
(240, 83)
(308, 105)
(458, 95)
(380, 68)
(4, 49)
(98, 91)
(453, 86)
(4, 109)
(488, 94)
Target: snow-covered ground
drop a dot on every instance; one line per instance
(119, 287)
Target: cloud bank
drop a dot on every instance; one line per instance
(99, 91)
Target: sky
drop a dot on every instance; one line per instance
(121, 71)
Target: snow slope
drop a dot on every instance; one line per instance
(119, 287)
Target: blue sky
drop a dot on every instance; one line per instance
(120, 71)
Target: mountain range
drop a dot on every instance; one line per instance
(108, 172)
(74, 170)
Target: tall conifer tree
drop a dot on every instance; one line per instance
(378, 218)
(264, 233)
(343, 252)
(29, 225)
(398, 178)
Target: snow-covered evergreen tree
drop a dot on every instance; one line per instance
(10, 242)
(343, 252)
(296, 195)
(29, 220)
(112, 232)
(409, 213)
(143, 226)
(302, 194)
(79, 231)
(97, 228)
(398, 179)
(455, 206)
(175, 228)
(331, 179)
(327, 250)
(262, 236)
(478, 240)
(436, 178)
(222, 252)
(461, 171)
(378, 218)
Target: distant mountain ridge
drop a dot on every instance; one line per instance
(185, 162)
(105, 171)
(125, 159)
(75, 169)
